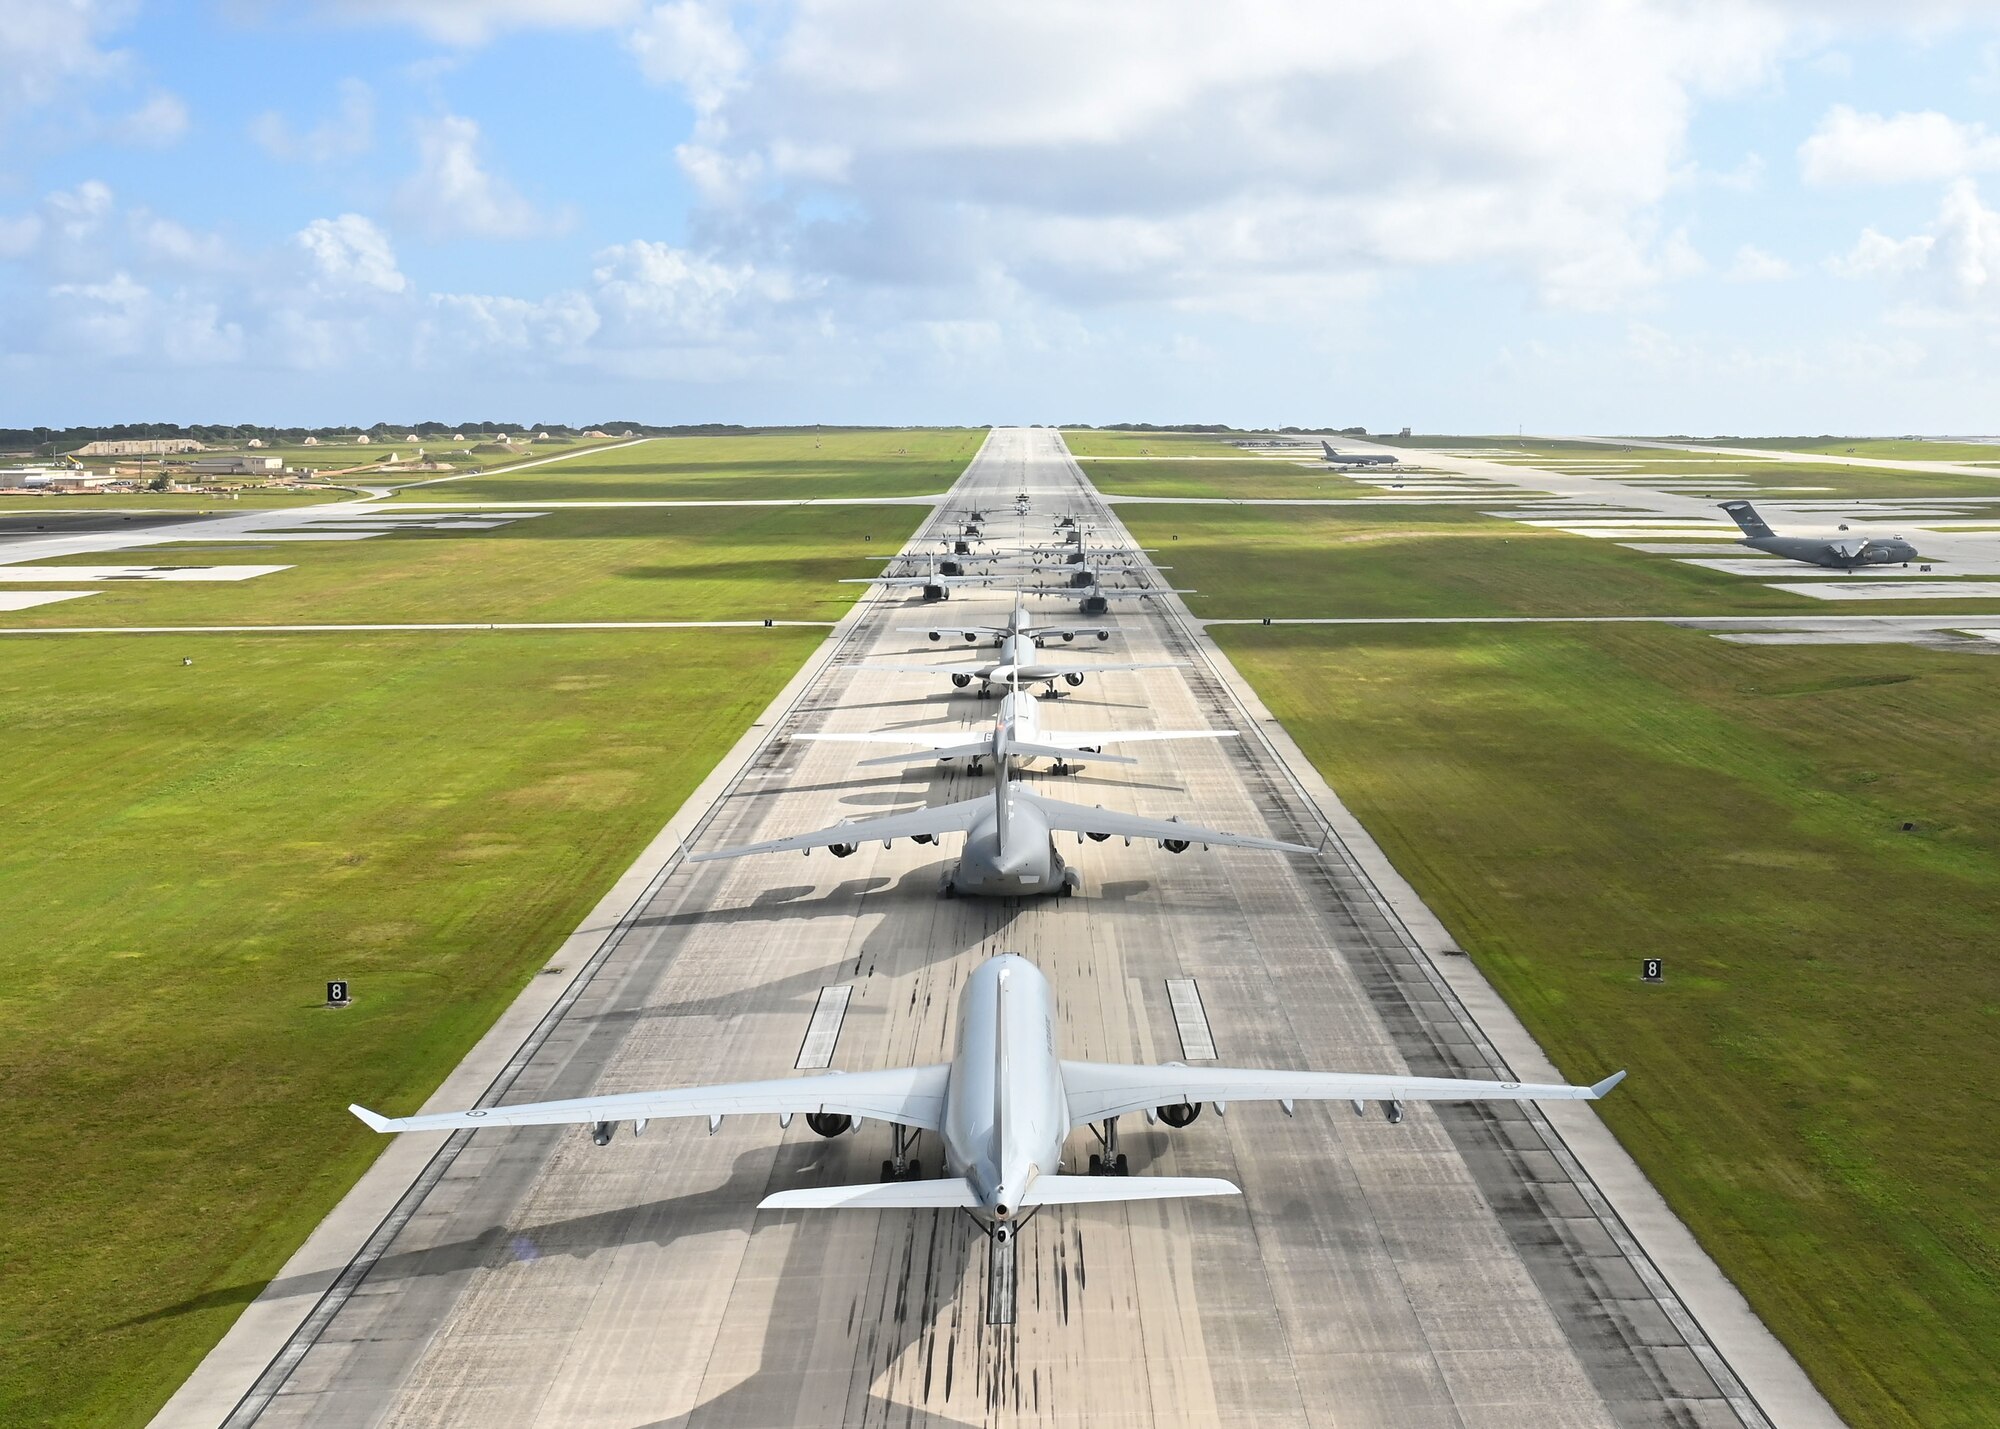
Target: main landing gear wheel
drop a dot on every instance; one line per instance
(913, 1170)
(1119, 1165)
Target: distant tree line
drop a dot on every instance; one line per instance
(1210, 427)
(209, 433)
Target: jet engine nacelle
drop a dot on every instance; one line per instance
(1103, 635)
(961, 680)
(1174, 845)
(1073, 679)
(829, 1123)
(1068, 635)
(970, 638)
(847, 850)
(1180, 1114)
(935, 636)
(600, 1132)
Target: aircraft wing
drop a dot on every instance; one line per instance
(1100, 1089)
(922, 580)
(1050, 672)
(958, 630)
(1131, 593)
(1098, 738)
(927, 822)
(1081, 819)
(1068, 630)
(910, 1096)
(946, 739)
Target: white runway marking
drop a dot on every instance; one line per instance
(28, 599)
(1896, 590)
(135, 573)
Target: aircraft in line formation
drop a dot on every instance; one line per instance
(1842, 553)
(1003, 1108)
(1018, 663)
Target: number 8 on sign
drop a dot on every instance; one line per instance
(1653, 970)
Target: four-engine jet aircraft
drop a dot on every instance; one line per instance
(1335, 458)
(1018, 623)
(1018, 663)
(1095, 598)
(1001, 1108)
(1016, 730)
(1010, 845)
(1842, 553)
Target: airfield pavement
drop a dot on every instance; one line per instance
(1460, 1269)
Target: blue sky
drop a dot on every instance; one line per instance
(1472, 215)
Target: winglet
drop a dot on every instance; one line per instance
(375, 1120)
(1606, 1085)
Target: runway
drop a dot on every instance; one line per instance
(1454, 1270)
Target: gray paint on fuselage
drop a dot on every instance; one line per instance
(1006, 1115)
(1843, 555)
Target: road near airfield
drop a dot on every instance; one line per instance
(1476, 1265)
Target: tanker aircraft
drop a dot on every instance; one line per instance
(1018, 662)
(1002, 1109)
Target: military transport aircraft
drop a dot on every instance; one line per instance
(1010, 844)
(1001, 1108)
(1843, 553)
(1016, 729)
(1018, 623)
(1018, 662)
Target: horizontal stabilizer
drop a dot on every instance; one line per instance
(981, 750)
(1069, 754)
(1076, 1190)
(950, 1193)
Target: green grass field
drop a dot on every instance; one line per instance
(1162, 444)
(648, 563)
(1824, 481)
(1246, 478)
(1884, 448)
(192, 851)
(1814, 1088)
(783, 467)
(1247, 562)
(29, 508)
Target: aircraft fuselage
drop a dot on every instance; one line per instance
(1005, 1114)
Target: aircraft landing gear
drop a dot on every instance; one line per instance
(1113, 1162)
(901, 1166)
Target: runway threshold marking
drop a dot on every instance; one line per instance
(1191, 1020)
(824, 1029)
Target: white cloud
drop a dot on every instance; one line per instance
(345, 134)
(1753, 265)
(1169, 150)
(1850, 147)
(350, 253)
(473, 22)
(691, 44)
(159, 123)
(554, 327)
(452, 195)
(121, 318)
(48, 46)
(1951, 272)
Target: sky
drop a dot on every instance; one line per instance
(1595, 216)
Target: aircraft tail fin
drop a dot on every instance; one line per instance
(1076, 1190)
(949, 1193)
(1747, 520)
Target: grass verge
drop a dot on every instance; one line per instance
(193, 851)
(787, 467)
(1814, 1087)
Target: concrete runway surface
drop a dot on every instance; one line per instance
(1449, 1271)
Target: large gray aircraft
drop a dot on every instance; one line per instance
(1016, 732)
(1019, 663)
(1018, 623)
(1842, 553)
(1010, 845)
(1002, 1110)
(1334, 458)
